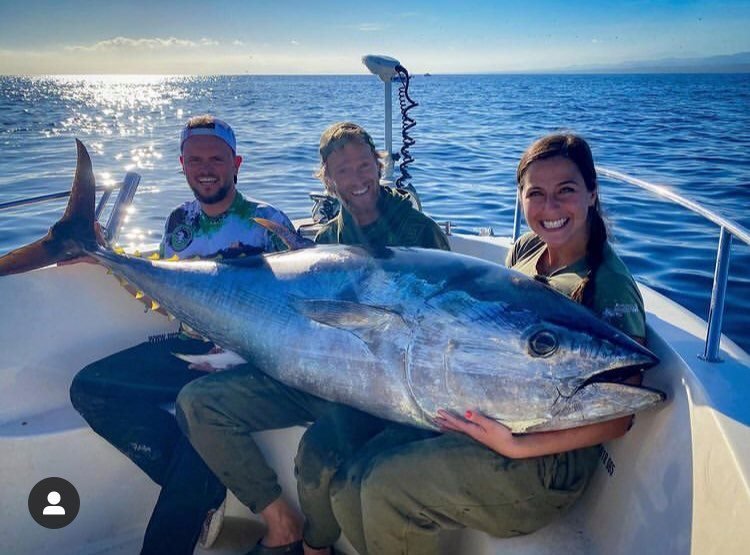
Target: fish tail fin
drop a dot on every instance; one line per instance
(70, 237)
(293, 241)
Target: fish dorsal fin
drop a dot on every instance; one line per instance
(293, 241)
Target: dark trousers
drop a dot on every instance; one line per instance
(122, 398)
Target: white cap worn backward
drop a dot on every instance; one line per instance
(209, 126)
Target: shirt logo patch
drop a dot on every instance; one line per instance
(181, 237)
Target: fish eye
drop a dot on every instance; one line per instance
(543, 343)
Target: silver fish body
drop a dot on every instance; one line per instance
(405, 331)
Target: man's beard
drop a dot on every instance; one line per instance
(218, 196)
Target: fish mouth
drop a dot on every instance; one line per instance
(616, 375)
(612, 385)
(643, 360)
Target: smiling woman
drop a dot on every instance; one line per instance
(556, 203)
(568, 243)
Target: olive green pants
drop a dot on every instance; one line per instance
(325, 446)
(219, 412)
(405, 485)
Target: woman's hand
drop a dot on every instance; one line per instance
(499, 438)
(487, 431)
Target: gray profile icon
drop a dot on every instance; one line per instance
(53, 498)
(54, 502)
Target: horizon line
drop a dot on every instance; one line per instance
(608, 71)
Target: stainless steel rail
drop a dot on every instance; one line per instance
(123, 201)
(54, 196)
(728, 229)
(127, 187)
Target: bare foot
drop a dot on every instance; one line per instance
(283, 524)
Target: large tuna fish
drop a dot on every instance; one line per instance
(398, 333)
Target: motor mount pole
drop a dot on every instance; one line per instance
(385, 68)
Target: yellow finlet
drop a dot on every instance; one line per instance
(173, 258)
(154, 256)
(154, 305)
(139, 294)
(119, 250)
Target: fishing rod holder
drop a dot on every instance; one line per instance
(124, 199)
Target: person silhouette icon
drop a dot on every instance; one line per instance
(53, 498)
(53, 503)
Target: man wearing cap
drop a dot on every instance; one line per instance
(123, 396)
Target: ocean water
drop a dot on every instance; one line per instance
(688, 132)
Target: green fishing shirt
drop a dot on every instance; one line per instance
(617, 300)
(189, 232)
(399, 225)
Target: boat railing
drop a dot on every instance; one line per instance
(728, 230)
(127, 188)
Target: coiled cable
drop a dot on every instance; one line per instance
(407, 122)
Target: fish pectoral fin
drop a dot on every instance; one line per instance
(350, 316)
(383, 331)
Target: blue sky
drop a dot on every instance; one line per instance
(297, 36)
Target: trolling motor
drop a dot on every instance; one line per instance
(389, 69)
